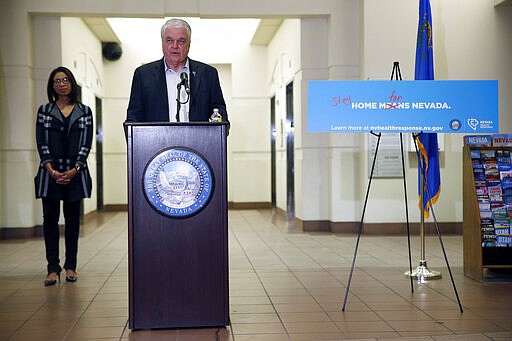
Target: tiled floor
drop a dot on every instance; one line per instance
(284, 285)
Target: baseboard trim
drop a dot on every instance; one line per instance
(8, 233)
(450, 228)
(249, 205)
(116, 208)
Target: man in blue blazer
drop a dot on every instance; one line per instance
(158, 85)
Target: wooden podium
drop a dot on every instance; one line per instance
(177, 225)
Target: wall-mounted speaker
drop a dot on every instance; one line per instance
(111, 51)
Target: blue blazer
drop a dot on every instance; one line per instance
(148, 97)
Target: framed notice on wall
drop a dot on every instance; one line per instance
(389, 161)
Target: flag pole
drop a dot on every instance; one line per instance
(422, 273)
(424, 70)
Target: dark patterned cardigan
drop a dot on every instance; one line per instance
(63, 148)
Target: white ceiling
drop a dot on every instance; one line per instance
(502, 2)
(105, 33)
(101, 29)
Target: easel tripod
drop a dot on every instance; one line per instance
(421, 271)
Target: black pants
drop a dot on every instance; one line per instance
(51, 213)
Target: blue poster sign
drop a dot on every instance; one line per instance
(430, 106)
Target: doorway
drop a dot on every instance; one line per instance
(99, 154)
(290, 165)
(273, 152)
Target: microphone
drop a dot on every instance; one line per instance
(184, 81)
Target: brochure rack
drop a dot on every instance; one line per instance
(487, 209)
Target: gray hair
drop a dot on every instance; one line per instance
(177, 23)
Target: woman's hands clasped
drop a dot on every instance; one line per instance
(65, 177)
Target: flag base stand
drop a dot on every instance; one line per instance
(422, 273)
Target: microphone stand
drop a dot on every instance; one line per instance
(179, 102)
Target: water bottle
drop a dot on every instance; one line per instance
(216, 116)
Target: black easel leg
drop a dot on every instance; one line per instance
(446, 258)
(362, 219)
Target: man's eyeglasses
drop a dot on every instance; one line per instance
(63, 81)
(180, 42)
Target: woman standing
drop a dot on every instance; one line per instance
(64, 132)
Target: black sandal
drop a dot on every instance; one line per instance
(49, 281)
(71, 278)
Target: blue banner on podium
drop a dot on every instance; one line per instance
(431, 106)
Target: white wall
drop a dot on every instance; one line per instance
(249, 137)
(19, 155)
(327, 166)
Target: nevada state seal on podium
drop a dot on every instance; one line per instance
(178, 182)
(177, 225)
